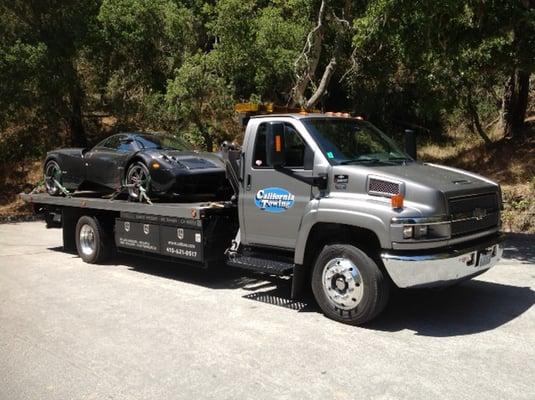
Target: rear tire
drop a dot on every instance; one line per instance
(52, 173)
(348, 285)
(93, 243)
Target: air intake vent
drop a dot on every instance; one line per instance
(382, 187)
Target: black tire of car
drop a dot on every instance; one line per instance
(51, 188)
(375, 290)
(131, 193)
(102, 240)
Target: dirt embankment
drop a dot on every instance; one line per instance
(511, 162)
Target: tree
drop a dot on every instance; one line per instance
(516, 90)
(455, 49)
(54, 33)
(199, 101)
(142, 43)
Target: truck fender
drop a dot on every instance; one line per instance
(342, 217)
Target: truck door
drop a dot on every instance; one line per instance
(273, 203)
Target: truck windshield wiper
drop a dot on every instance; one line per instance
(364, 161)
(399, 159)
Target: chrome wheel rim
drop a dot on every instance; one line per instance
(87, 240)
(342, 283)
(52, 174)
(137, 175)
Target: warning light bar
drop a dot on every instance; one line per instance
(249, 109)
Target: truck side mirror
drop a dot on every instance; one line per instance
(275, 152)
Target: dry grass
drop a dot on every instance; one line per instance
(14, 180)
(509, 162)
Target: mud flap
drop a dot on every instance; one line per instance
(299, 279)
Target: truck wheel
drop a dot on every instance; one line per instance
(92, 241)
(348, 285)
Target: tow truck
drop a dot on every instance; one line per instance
(324, 198)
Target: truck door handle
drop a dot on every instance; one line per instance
(248, 185)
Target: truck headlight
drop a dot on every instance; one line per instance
(421, 231)
(415, 231)
(420, 228)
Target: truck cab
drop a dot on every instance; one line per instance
(354, 213)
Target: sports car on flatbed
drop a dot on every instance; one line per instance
(161, 165)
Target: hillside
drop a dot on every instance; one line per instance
(509, 162)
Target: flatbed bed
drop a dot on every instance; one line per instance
(199, 232)
(196, 210)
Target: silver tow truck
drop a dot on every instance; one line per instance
(329, 200)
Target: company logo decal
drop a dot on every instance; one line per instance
(180, 233)
(274, 199)
(146, 229)
(127, 226)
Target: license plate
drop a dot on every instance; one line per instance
(484, 257)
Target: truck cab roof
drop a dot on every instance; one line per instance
(300, 115)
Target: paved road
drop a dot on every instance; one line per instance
(146, 330)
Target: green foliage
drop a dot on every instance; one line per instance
(178, 65)
(200, 101)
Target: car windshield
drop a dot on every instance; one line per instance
(350, 141)
(162, 142)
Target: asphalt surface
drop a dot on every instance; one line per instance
(138, 329)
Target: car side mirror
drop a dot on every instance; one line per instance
(275, 151)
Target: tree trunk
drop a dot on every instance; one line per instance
(207, 138)
(76, 126)
(307, 62)
(514, 103)
(476, 122)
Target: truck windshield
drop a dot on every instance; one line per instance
(348, 141)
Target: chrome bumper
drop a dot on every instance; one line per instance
(444, 268)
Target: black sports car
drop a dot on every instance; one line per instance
(160, 164)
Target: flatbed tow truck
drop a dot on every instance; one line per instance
(324, 198)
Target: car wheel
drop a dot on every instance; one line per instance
(137, 176)
(52, 176)
(93, 242)
(348, 285)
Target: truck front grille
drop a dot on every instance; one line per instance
(471, 214)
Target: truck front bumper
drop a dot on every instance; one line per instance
(413, 269)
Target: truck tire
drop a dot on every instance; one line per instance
(93, 242)
(348, 285)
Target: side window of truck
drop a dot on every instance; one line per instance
(298, 154)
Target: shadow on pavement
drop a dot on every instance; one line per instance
(269, 289)
(520, 246)
(471, 307)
